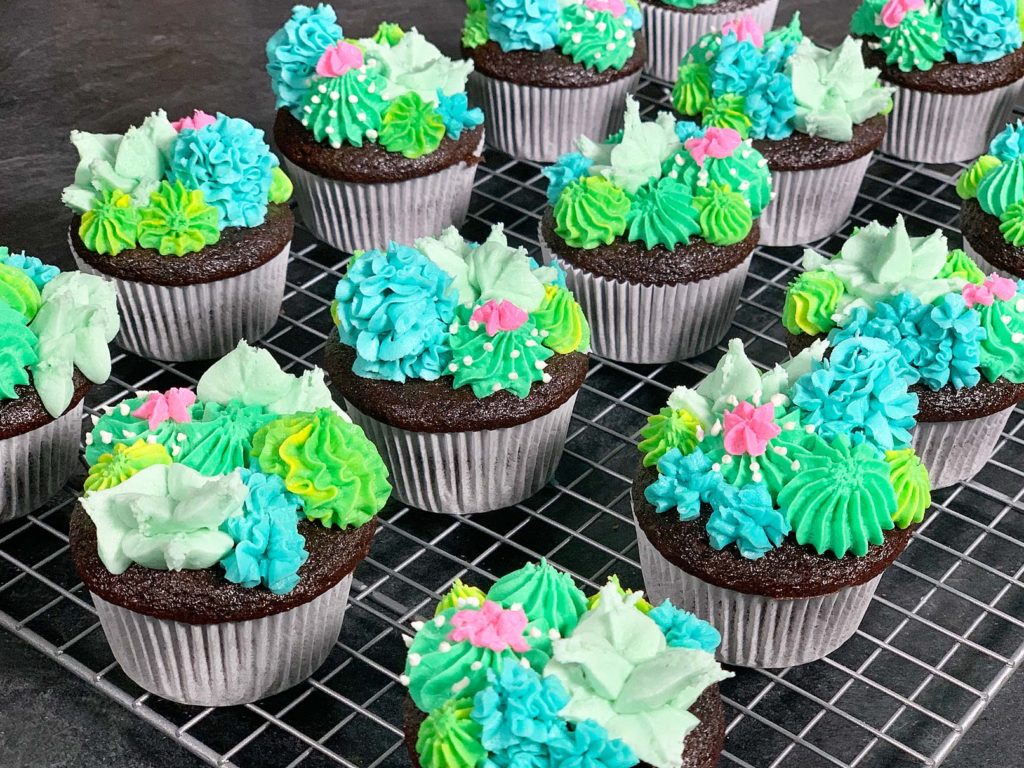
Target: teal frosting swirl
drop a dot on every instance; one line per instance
(345, 109)
(1002, 187)
(1002, 349)
(745, 170)
(662, 213)
(18, 345)
(220, 440)
(548, 596)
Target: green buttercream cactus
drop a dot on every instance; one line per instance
(597, 39)
(450, 737)
(660, 214)
(18, 292)
(388, 33)
(123, 462)
(811, 300)
(345, 109)
(562, 317)
(727, 111)
(669, 428)
(177, 221)
(411, 126)
(591, 211)
(691, 94)
(20, 352)
(917, 42)
(910, 482)
(725, 216)
(281, 187)
(111, 225)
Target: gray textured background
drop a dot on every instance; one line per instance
(103, 65)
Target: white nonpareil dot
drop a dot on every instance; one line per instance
(453, 367)
(716, 467)
(456, 687)
(130, 433)
(175, 450)
(444, 647)
(546, 378)
(727, 459)
(515, 354)
(619, 34)
(577, 37)
(332, 113)
(467, 360)
(531, 343)
(610, 46)
(371, 134)
(315, 99)
(323, 89)
(415, 659)
(780, 450)
(124, 409)
(404, 680)
(789, 426)
(601, 26)
(307, 109)
(488, 347)
(305, 122)
(476, 666)
(809, 429)
(335, 95)
(496, 387)
(795, 466)
(88, 438)
(540, 365)
(1017, 338)
(535, 632)
(417, 626)
(353, 99)
(473, 325)
(329, 129)
(513, 376)
(439, 621)
(407, 640)
(361, 117)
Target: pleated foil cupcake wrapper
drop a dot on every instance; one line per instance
(201, 321)
(986, 266)
(35, 465)
(955, 451)
(671, 34)
(945, 127)
(352, 216)
(759, 631)
(219, 665)
(540, 124)
(811, 205)
(462, 473)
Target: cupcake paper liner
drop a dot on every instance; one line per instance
(810, 205)
(759, 631)
(986, 266)
(352, 216)
(955, 451)
(541, 124)
(671, 33)
(654, 323)
(928, 127)
(35, 465)
(462, 473)
(201, 321)
(217, 665)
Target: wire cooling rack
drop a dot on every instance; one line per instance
(943, 634)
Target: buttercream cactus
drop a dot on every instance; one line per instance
(956, 66)
(816, 115)
(189, 221)
(547, 71)
(55, 328)
(377, 132)
(523, 677)
(959, 334)
(769, 503)
(459, 359)
(654, 229)
(245, 503)
(992, 216)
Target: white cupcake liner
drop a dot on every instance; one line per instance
(955, 451)
(353, 216)
(813, 204)
(219, 665)
(35, 465)
(672, 33)
(462, 473)
(201, 321)
(541, 124)
(928, 127)
(759, 631)
(654, 323)
(986, 266)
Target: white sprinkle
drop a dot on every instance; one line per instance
(125, 410)
(716, 467)
(180, 437)
(88, 438)
(780, 450)
(727, 459)
(453, 367)
(407, 640)
(361, 78)
(323, 89)
(601, 26)
(535, 632)
(130, 434)
(473, 325)
(516, 607)
(778, 399)
(460, 685)
(809, 429)
(1020, 305)
(417, 625)
(315, 99)
(496, 387)
(444, 647)
(307, 109)
(533, 332)
(332, 113)
(755, 467)
(619, 34)
(488, 347)
(476, 666)
(1017, 338)
(540, 365)
(415, 659)
(631, 44)
(371, 134)
(439, 621)
(795, 466)
(597, 54)
(353, 99)
(404, 680)
(335, 95)
(568, 25)
(329, 129)
(546, 378)
(524, 663)
(588, 15)
(673, 174)
(756, 477)
(371, 88)
(716, 429)
(95, 419)
(610, 46)
(789, 426)
(1006, 319)
(467, 360)
(577, 37)
(531, 343)
(515, 354)
(175, 450)
(513, 376)
(305, 122)
(627, 24)
(151, 439)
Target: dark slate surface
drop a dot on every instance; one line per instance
(100, 65)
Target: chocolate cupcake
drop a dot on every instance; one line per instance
(655, 230)
(956, 66)
(377, 133)
(189, 221)
(55, 328)
(960, 335)
(462, 362)
(817, 116)
(673, 27)
(219, 529)
(547, 71)
(992, 217)
(769, 504)
(523, 675)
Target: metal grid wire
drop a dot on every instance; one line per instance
(943, 634)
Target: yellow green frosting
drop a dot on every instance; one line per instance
(591, 211)
(691, 94)
(177, 221)
(461, 596)
(280, 186)
(18, 291)
(562, 316)
(641, 605)
(1011, 224)
(450, 737)
(725, 215)
(960, 265)
(811, 301)
(727, 111)
(967, 184)
(668, 429)
(111, 225)
(913, 489)
(114, 468)
(411, 126)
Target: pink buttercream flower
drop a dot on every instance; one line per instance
(491, 627)
(745, 28)
(748, 429)
(994, 287)
(197, 120)
(894, 11)
(716, 143)
(615, 7)
(161, 406)
(498, 316)
(339, 59)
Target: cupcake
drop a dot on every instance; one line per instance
(55, 328)
(532, 673)
(462, 363)
(960, 334)
(655, 229)
(189, 220)
(219, 529)
(377, 133)
(956, 66)
(546, 71)
(992, 216)
(816, 115)
(769, 504)
(673, 27)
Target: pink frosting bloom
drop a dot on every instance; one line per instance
(499, 316)
(748, 429)
(197, 120)
(745, 28)
(161, 406)
(716, 143)
(894, 11)
(491, 627)
(994, 287)
(339, 59)
(615, 7)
